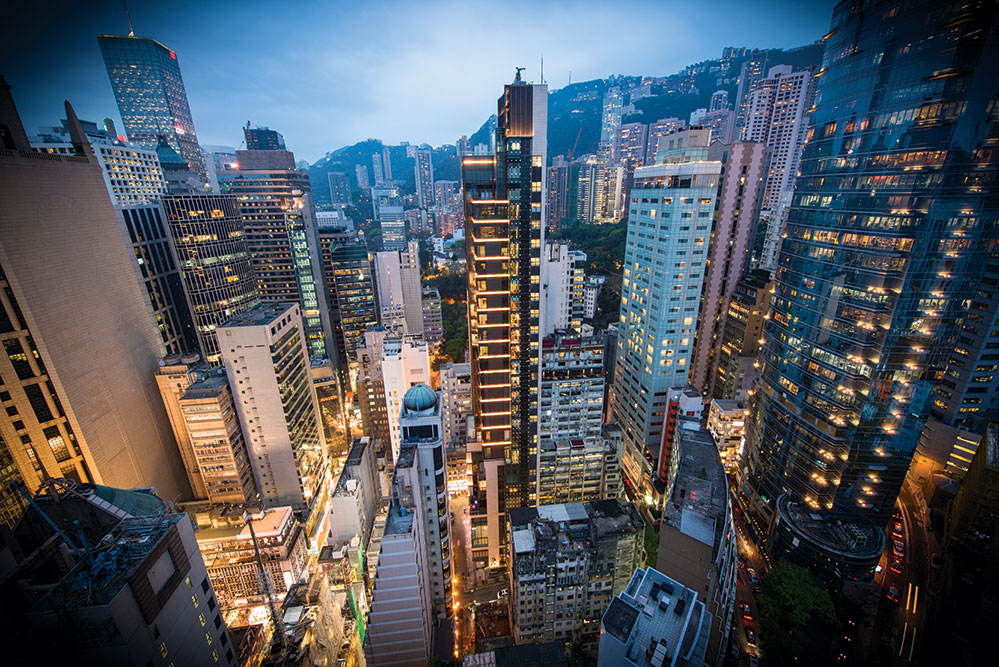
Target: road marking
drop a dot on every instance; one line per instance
(901, 646)
(908, 596)
(915, 599)
(913, 647)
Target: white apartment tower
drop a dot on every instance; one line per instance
(669, 229)
(267, 362)
(562, 278)
(456, 402)
(777, 116)
(405, 362)
(397, 274)
(420, 423)
(424, 169)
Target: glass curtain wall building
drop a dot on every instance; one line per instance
(214, 263)
(893, 215)
(152, 101)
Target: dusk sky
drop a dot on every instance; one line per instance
(328, 74)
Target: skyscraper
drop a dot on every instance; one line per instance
(890, 223)
(386, 164)
(404, 363)
(350, 294)
(420, 423)
(424, 169)
(78, 388)
(263, 139)
(738, 192)
(657, 131)
(669, 227)
(267, 362)
(376, 166)
(339, 188)
(132, 173)
(572, 386)
(557, 201)
(562, 276)
(275, 202)
(778, 116)
(145, 77)
(504, 214)
(398, 277)
(214, 262)
(388, 211)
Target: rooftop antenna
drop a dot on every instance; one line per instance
(542, 69)
(128, 17)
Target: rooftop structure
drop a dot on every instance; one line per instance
(697, 545)
(592, 550)
(655, 622)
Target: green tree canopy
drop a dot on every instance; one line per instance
(796, 613)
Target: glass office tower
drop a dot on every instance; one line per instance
(893, 214)
(152, 101)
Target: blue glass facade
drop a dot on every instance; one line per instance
(893, 215)
(152, 101)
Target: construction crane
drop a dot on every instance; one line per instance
(578, 135)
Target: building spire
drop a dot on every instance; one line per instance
(128, 17)
(81, 145)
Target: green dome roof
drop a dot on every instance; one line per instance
(136, 503)
(419, 399)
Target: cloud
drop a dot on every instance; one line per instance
(327, 74)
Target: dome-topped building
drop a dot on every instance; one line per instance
(420, 400)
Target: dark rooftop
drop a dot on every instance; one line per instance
(260, 314)
(619, 619)
(547, 654)
(698, 504)
(356, 452)
(208, 388)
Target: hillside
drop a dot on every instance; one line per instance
(574, 115)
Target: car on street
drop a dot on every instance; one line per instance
(896, 528)
(752, 576)
(892, 593)
(751, 637)
(898, 548)
(753, 660)
(896, 566)
(742, 562)
(747, 612)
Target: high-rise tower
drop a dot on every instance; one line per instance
(892, 218)
(669, 227)
(152, 101)
(80, 345)
(424, 172)
(504, 214)
(778, 117)
(280, 229)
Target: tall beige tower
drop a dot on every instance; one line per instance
(81, 348)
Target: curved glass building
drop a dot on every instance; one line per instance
(893, 216)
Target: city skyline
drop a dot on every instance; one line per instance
(695, 364)
(222, 47)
